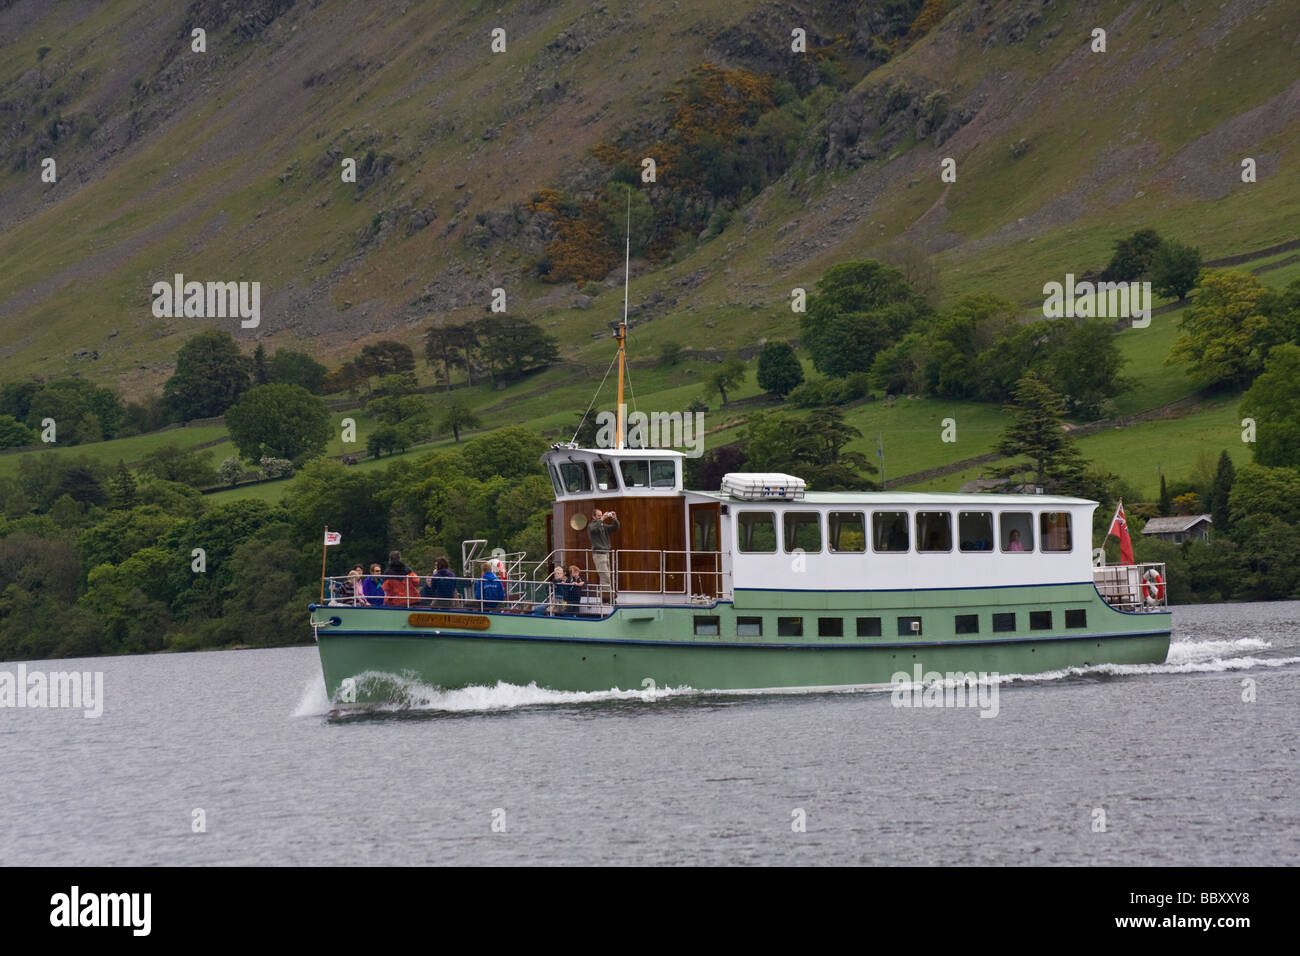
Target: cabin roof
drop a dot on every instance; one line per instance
(613, 453)
(910, 498)
(1174, 525)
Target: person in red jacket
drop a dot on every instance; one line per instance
(401, 584)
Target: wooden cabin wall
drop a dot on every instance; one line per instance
(645, 524)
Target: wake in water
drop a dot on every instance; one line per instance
(404, 694)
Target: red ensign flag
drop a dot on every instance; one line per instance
(1119, 528)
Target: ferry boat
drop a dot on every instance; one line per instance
(760, 584)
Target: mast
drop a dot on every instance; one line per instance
(622, 326)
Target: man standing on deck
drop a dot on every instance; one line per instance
(602, 525)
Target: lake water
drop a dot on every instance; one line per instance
(1184, 769)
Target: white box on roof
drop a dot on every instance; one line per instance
(759, 486)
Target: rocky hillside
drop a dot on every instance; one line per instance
(492, 142)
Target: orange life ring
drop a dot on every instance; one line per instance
(1153, 586)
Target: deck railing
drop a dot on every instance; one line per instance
(1130, 587)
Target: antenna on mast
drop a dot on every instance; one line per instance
(622, 326)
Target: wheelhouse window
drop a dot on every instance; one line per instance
(663, 473)
(1055, 529)
(933, 531)
(846, 531)
(555, 480)
(803, 531)
(604, 476)
(636, 474)
(1016, 531)
(756, 531)
(889, 530)
(653, 473)
(975, 530)
(575, 477)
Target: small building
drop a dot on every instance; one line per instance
(1179, 528)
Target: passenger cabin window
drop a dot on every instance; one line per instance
(575, 477)
(846, 531)
(756, 531)
(975, 530)
(803, 531)
(1055, 529)
(604, 476)
(889, 530)
(933, 531)
(1016, 530)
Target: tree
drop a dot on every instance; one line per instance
(231, 470)
(386, 438)
(509, 452)
(779, 371)
(670, 353)
(448, 346)
(16, 398)
(515, 346)
(385, 358)
(210, 375)
(1220, 492)
(14, 434)
(1085, 367)
(123, 487)
(1165, 504)
(1133, 256)
(1224, 332)
(811, 448)
(188, 467)
(260, 376)
(729, 375)
(457, 418)
(859, 309)
(1174, 269)
(279, 421)
(1038, 434)
(82, 411)
(288, 367)
(1274, 402)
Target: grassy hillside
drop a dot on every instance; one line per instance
(225, 164)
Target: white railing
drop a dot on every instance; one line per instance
(686, 575)
(1131, 587)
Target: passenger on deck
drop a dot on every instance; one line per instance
(601, 526)
(573, 591)
(372, 588)
(401, 584)
(355, 578)
(442, 584)
(488, 589)
(559, 587)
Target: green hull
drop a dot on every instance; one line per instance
(641, 647)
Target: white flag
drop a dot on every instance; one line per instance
(333, 537)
